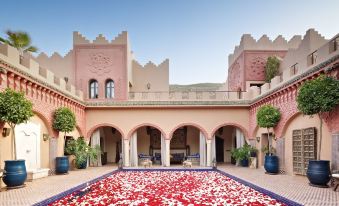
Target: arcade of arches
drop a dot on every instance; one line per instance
(149, 142)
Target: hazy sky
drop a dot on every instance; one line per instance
(196, 36)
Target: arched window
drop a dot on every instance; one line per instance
(110, 89)
(93, 89)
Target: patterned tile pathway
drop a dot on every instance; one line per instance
(295, 188)
(41, 189)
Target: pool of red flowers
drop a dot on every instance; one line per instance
(167, 188)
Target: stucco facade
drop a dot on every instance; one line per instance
(140, 99)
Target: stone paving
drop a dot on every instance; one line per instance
(295, 188)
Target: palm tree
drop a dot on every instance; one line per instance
(20, 40)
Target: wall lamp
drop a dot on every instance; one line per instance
(45, 137)
(274, 137)
(5, 131)
(258, 139)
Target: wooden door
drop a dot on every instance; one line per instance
(219, 149)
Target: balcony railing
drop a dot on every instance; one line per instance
(185, 96)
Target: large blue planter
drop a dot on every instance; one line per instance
(61, 165)
(244, 163)
(318, 172)
(15, 173)
(271, 164)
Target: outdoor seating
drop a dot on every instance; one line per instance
(147, 163)
(177, 158)
(187, 163)
(194, 158)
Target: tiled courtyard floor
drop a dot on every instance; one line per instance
(43, 188)
(295, 188)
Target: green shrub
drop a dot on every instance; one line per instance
(14, 109)
(241, 153)
(268, 117)
(318, 96)
(271, 68)
(64, 120)
(82, 151)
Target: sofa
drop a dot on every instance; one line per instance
(177, 158)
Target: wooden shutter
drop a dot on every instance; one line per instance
(297, 151)
(304, 148)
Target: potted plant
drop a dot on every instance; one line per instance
(318, 96)
(268, 117)
(82, 152)
(234, 156)
(253, 152)
(64, 121)
(242, 155)
(268, 151)
(14, 109)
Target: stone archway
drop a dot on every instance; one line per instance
(146, 142)
(226, 137)
(189, 141)
(110, 140)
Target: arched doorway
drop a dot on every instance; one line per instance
(188, 142)
(110, 141)
(147, 143)
(225, 138)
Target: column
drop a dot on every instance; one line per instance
(167, 152)
(209, 153)
(335, 151)
(126, 152)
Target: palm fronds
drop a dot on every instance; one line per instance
(20, 40)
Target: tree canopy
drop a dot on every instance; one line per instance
(64, 120)
(14, 107)
(318, 95)
(268, 116)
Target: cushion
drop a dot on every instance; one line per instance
(335, 175)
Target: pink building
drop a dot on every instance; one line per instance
(132, 112)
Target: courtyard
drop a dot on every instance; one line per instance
(292, 188)
(169, 103)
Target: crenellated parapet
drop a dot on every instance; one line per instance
(151, 65)
(247, 42)
(312, 41)
(150, 77)
(79, 39)
(61, 66)
(28, 66)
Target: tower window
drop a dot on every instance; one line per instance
(109, 89)
(93, 89)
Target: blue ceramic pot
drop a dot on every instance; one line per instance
(271, 164)
(61, 165)
(318, 172)
(244, 163)
(15, 173)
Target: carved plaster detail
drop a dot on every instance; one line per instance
(235, 77)
(257, 68)
(99, 63)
